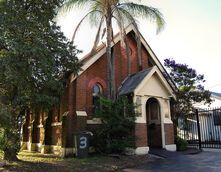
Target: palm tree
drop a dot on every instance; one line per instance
(102, 13)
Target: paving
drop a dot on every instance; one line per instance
(189, 161)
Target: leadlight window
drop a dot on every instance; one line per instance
(97, 92)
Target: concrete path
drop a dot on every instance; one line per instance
(206, 161)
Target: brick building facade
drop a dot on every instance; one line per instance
(53, 131)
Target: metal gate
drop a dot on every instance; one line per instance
(202, 128)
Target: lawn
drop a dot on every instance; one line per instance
(36, 162)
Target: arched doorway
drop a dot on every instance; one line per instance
(154, 134)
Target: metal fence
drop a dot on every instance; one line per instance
(202, 128)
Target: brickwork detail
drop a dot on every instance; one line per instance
(169, 134)
(140, 135)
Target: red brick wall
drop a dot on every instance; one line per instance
(98, 73)
(78, 95)
(140, 135)
(71, 117)
(26, 131)
(56, 135)
(169, 134)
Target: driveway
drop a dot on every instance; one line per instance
(206, 161)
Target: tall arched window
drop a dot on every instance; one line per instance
(97, 92)
(153, 110)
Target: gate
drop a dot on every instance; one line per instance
(201, 129)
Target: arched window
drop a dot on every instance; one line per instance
(97, 92)
(153, 110)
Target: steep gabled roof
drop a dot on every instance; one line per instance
(131, 83)
(88, 60)
(134, 82)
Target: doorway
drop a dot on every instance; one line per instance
(154, 134)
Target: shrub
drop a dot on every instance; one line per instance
(117, 128)
(181, 144)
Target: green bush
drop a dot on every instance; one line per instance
(181, 144)
(9, 133)
(117, 129)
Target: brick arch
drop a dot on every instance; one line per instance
(91, 83)
(98, 80)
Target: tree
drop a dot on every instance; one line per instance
(103, 12)
(190, 88)
(35, 59)
(115, 133)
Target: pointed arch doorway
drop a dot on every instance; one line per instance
(153, 116)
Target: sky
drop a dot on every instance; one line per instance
(192, 35)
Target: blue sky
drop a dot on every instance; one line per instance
(192, 35)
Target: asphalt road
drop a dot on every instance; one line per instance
(206, 161)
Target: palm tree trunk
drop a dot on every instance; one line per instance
(139, 55)
(128, 58)
(113, 75)
(110, 60)
(139, 46)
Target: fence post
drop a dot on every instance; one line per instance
(198, 129)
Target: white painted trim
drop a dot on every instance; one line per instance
(142, 150)
(162, 122)
(169, 110)
(162, 79)
(89, 63)
(94, 121)
(56, 124)
(149, 96)
(171, 147)
(150, 51)
(65, 113)
(168, 121)
(140, 120)
(81, 113)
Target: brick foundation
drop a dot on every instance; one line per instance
(140, 135)
(169, 134)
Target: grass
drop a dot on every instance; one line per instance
(36, 162)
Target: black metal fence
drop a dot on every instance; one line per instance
(202, 128)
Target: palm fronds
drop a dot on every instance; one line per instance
(138, 10)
